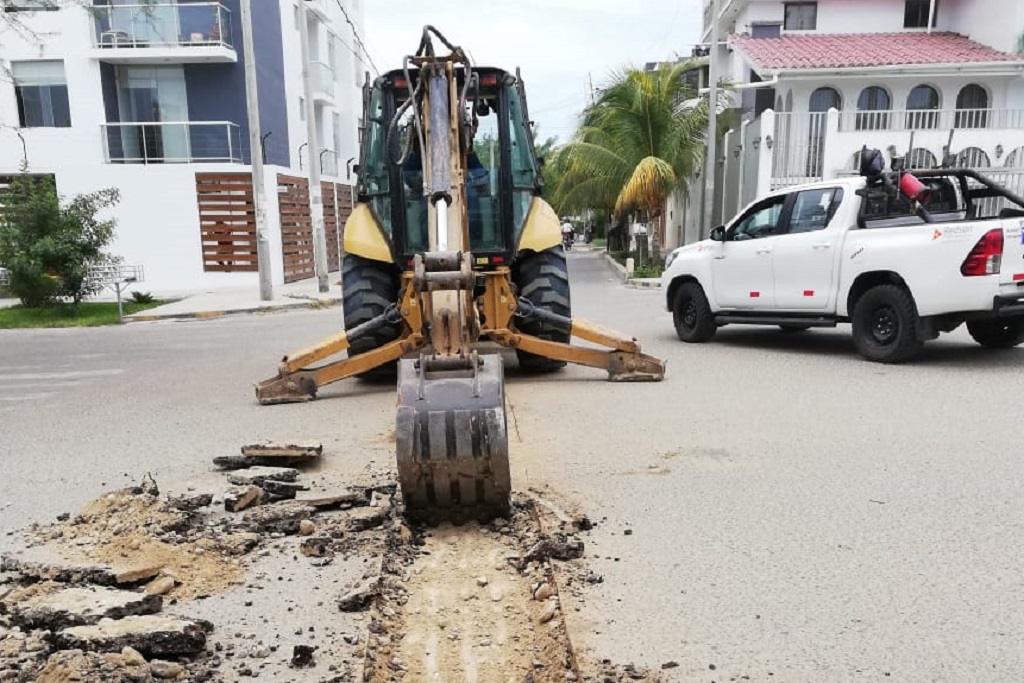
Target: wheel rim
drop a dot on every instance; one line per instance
(689, 314)
(885, 325)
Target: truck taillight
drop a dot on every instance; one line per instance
(986, 256)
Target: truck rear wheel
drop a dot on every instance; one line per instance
(885, 325)
(368, 287)
(543, 278)
(1001, 333)
(691, 314)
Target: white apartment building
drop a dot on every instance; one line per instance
(149, 97)
(931, 80)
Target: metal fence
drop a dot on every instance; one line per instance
(799, 144)
(930, 119)
(173, 142)
(161, 25)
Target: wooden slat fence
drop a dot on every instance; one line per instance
(227, 222)
(296, 227)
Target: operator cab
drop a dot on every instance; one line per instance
(502, 174)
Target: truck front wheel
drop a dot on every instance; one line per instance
(692, 315)
(885, 325)
(1001, 333)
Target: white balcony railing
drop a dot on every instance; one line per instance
(172, 142)
(931, 119)
(162, 25)
(323, 78)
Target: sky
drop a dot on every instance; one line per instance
(558, 44)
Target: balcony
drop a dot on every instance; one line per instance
(322, 76)
(161, 33)
(184, 142)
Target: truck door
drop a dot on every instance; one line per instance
(741, 266)
(805, 254)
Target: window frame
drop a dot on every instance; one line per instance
(44, 94)
(786, 6)
(835, 202)
(922, 8)
(782, 200)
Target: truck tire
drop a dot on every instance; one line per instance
(542, 277)
(368, 287)
(692, 316)
(1001, 333)
(885, 325)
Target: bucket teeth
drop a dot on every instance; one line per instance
(452, 442)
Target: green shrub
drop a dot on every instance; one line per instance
(49, 248)
(142, 298)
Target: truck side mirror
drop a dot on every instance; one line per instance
(718, 234)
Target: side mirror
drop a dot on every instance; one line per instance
(718, 234)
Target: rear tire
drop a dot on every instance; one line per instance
(542, 277)
(692, 315)
(885, 325)
(368, 287)
(1001, 333)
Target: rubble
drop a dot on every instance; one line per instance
(261, 473)
(191, 503)
(279, 517)
(272, 450)
(50, 606)
(359, 597)
(347, 499)
(152, 635)
(241, 497)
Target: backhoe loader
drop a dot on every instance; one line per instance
(446, 261)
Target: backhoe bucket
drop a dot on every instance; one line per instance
(452, 441)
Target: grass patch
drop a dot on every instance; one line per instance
(647, 269)
(90, 314)
(599, 242)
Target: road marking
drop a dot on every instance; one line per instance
(28, 397)
(62, 375)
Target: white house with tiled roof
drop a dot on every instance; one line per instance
(921, 78)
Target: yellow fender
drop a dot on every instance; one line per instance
(541, 229)
(364, 236)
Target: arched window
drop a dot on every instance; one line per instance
(1015, 159)
(972, 107)
(778, 104)
(824, 99)
(920, 157)
(972, 157)
(821, 101)
(873, 108)
(789, 100)
(922, 107)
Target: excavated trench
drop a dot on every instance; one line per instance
(293, 585)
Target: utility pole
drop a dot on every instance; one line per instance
(710, 162)
(259, 198)
(316, 199)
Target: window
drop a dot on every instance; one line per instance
(759, 221)
(813, 209)
(873, 109)
(42, 94)
(972, 107)
(31, 6)
(915, 14)
(302, 109)
(801, 16)
(922, 106)
(824, 99)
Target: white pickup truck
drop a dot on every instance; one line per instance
(854, 250)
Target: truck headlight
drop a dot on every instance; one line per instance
(671, 257)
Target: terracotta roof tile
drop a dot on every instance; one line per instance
(847, 50)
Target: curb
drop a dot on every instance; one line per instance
(643, 283)
(200, 315)
(616, 266)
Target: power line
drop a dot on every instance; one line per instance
(359, 41)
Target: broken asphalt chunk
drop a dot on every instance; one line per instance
(152, 635)
(359, 598)
(283, 517)
(241, 497)
(283, 450)
(259, 474)
(79, 606)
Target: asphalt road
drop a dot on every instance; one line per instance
(797, 514)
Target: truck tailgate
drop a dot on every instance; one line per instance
(1011, 271)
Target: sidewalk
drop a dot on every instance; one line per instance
(228, 300)
(634, 282)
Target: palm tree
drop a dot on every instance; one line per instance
(640, 140)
